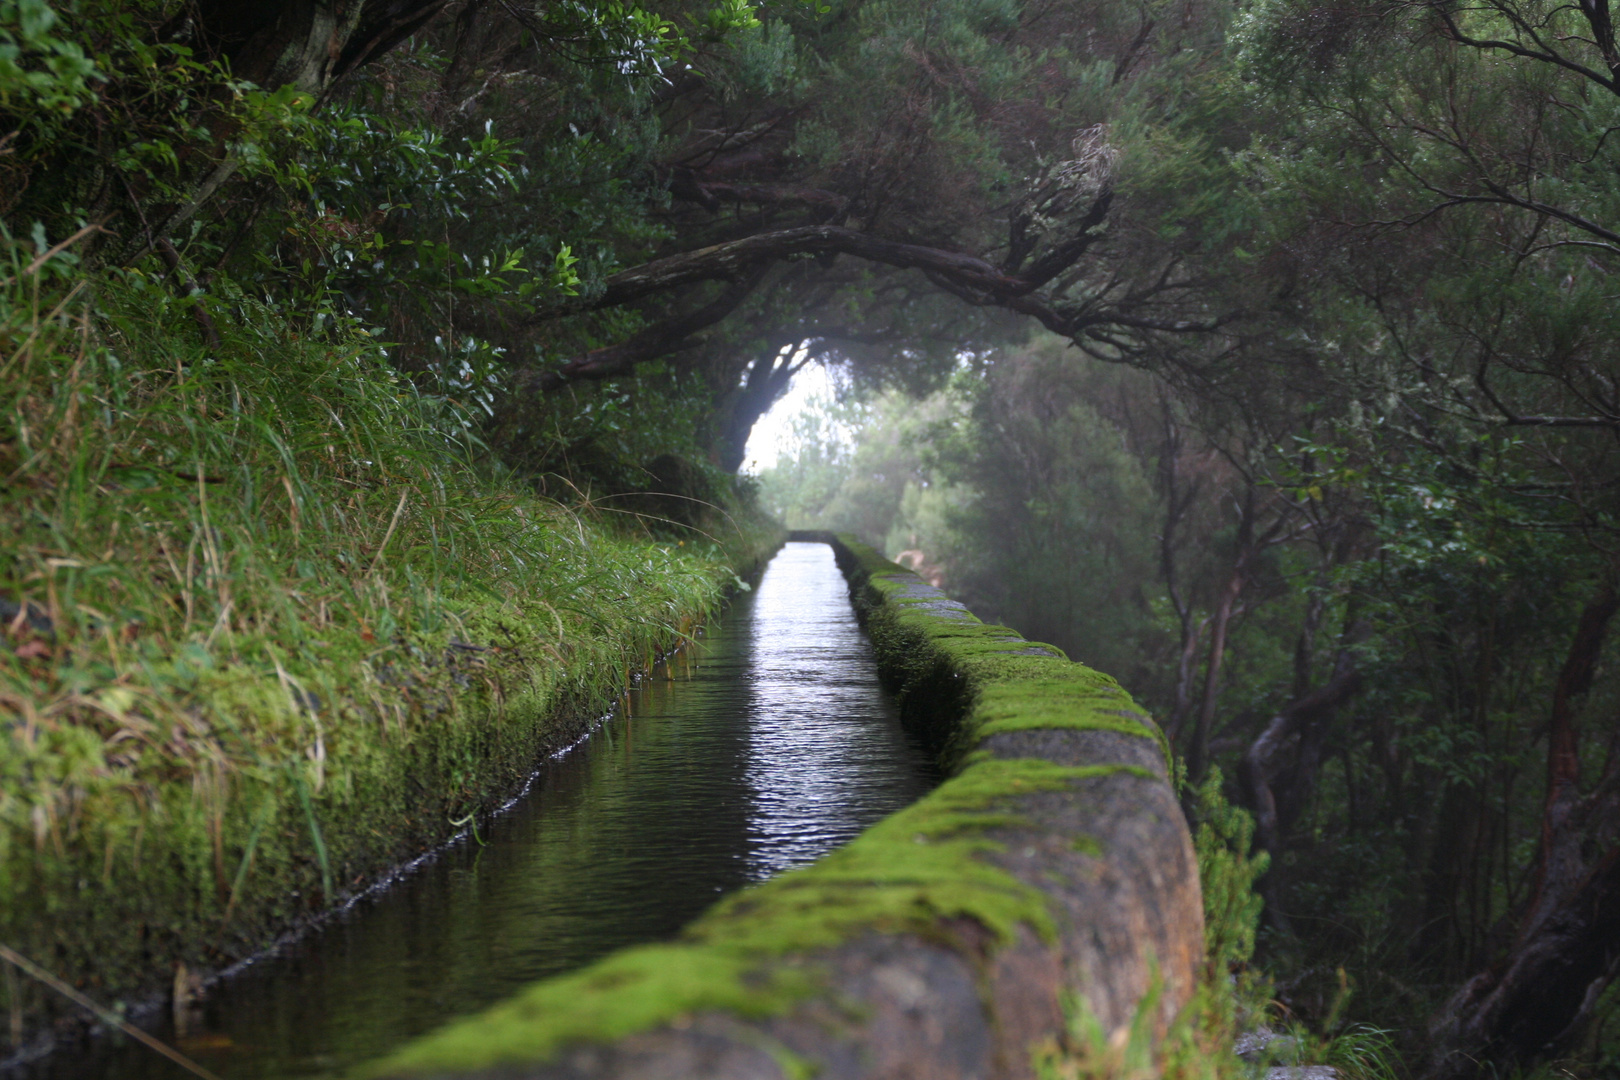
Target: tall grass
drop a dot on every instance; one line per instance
(268, 623)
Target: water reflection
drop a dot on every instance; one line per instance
(826, 757)
(761, 748)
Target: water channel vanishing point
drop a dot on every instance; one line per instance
(762, 747)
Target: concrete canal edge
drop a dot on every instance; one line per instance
(941, 942)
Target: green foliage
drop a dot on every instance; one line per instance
(110, 101)
(858, 466)
(1050, 456)
(40, 70)
(887, 472)
(1087, 1050)
(1197, 1046)
(797, 487)
(594, 442)
(1228, 872)
(440, 234)
(1363, 1052)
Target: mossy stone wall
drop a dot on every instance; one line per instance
(941, 942)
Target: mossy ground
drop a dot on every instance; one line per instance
(914, 872)
(271, 626)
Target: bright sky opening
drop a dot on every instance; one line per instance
(773, 432)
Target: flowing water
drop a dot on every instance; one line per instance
(759, 749)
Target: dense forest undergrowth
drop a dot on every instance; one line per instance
(1259, 353)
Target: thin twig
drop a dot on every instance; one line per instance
(106, 1016)
(389, 535)
(45, 257)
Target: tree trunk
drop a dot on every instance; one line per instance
(768, 377)
(1276, 789)
(1178, 499)
(308, 44)
(1198, 756)
(1568, 946)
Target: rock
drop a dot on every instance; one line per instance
(1251, 1044)
(1264, 1045)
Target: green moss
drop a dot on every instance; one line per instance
(967, 680)
(1051, 703)
(907, 874)
(629, 991)
(792, 1066)
(912, 873)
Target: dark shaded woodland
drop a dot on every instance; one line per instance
(1261, 354)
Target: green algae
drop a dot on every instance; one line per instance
(753, 954)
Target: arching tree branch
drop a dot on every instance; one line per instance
(966, 276)
(727, 260)
(660, 339)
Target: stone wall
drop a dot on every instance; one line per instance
(942, 942)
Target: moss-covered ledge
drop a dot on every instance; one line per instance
(941, 942)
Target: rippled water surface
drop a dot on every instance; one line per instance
(762, 748)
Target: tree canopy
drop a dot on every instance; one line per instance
(1270, 345)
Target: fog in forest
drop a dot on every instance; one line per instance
(1259, 354)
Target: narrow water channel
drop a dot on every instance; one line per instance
(761, 748)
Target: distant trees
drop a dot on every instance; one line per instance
(1054, 519)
